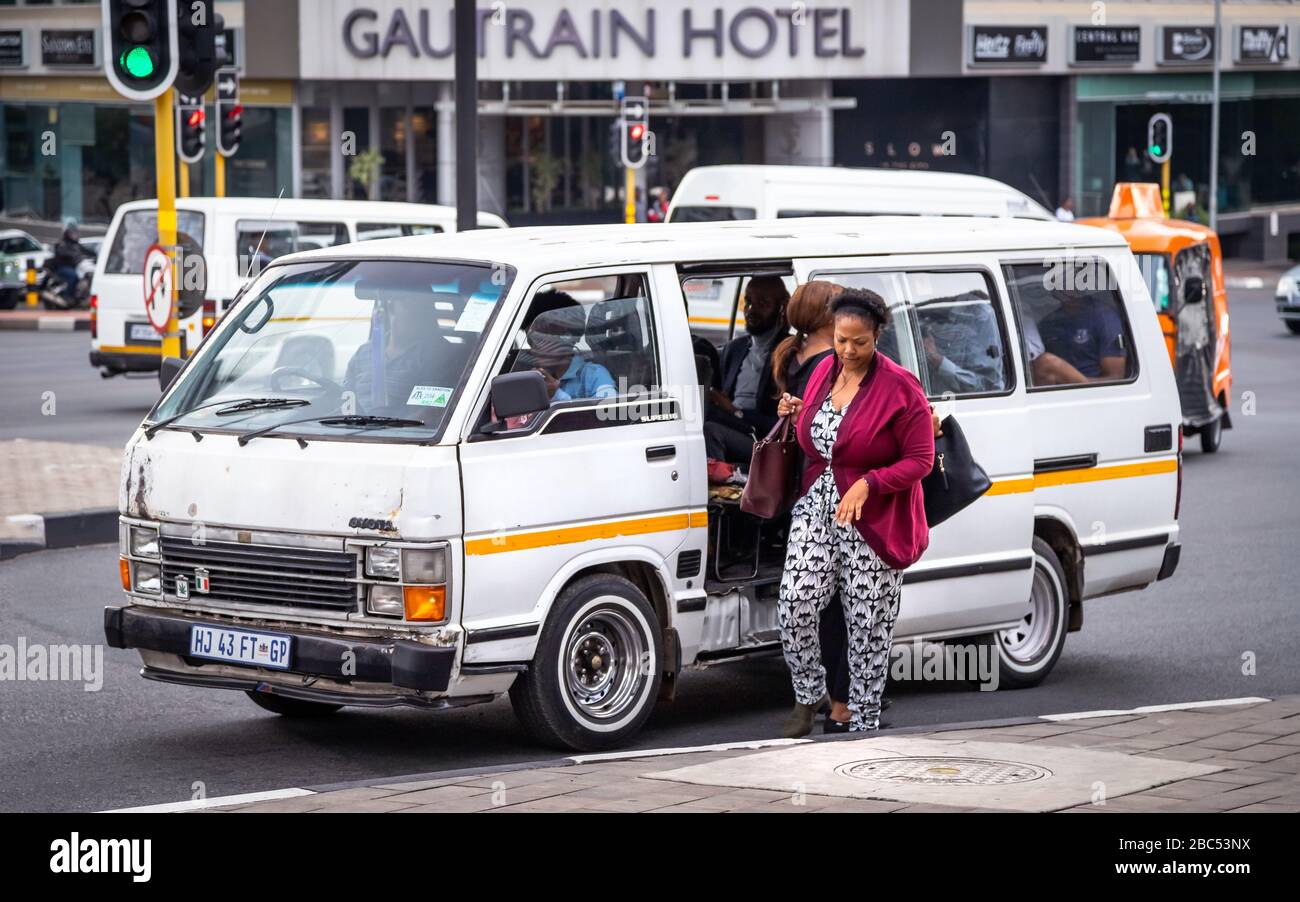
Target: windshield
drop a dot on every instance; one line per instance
(312, 341)
(1155, 272)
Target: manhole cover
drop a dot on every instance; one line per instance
(943, 771)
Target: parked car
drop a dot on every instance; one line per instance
(19, 250)
(1288, 299)
(394, 510)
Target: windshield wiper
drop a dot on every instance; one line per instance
(357, 420)
(228, 407)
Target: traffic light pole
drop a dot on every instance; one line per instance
(1164, 186)
(219, 186)
(164, 151)
(183, 186)
(629, 190)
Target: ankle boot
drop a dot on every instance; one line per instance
(800, 721)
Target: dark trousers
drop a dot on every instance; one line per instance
(835, 650)
(731, 442)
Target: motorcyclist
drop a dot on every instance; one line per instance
(68, 252)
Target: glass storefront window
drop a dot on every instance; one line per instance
(316, 146)
(262, 167)
(392, 144)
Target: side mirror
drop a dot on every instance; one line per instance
(168, 369)
(516, 394)
(1194, 290)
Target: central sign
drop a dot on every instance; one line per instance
(602, 40)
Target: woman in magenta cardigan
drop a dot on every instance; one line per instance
(868, 438)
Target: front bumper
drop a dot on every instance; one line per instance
(409, 667)
(1170, 563)
(1288, 308)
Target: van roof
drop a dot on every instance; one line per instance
(843, 175)
(379, 210)
(835, 179)
(553, 248)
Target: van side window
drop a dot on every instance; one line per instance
(368, 231)
(1072, 323)
(946, 327)
(259, 241)
(592, 339)
(962, 339)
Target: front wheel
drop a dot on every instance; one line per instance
(1211, 436)
(599, 662)
(1028, 651)
(1293, 325)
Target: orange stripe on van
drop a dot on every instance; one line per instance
(1022, 484)
(565, 535)
(130, 349)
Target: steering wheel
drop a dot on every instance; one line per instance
(280, 372)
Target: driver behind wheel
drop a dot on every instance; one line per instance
(403, 333)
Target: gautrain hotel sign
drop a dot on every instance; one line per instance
(589, 40)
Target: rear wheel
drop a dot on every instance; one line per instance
(1028, 651)
(1212, 435)
(599, 662)
(291, 707)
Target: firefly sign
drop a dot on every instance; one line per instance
(158, 287)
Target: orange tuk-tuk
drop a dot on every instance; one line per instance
(1177, 259)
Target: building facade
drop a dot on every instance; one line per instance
(354, 99)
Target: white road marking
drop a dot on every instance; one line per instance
(684, 750)
(216, 802)
(1155, 709)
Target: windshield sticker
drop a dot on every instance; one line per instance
(429, 396)
(475, 315)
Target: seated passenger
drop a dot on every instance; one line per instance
(1045, 368)
(553, 340)
(745, 406)
(1088, 334)
(402, 348)
(962, 345)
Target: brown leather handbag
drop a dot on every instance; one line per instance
(773, 482)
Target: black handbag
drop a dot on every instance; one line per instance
(956, 480)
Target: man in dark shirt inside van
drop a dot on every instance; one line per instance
(1088, 333)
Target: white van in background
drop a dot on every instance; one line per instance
(725, 193)
(236, 235)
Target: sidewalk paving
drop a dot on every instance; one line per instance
(1242, 757)
(45, 478)
(37, 319)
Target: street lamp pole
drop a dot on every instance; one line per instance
(466, 116)
(1214, 119)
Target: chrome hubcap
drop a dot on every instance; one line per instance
(1032, 637)
(604, 652)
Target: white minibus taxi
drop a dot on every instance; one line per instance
(361, 490)
(741, 192)
(236, 236)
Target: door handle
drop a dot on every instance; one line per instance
(1072, 462)
(660, 452)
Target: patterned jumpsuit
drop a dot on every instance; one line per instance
(821, 556)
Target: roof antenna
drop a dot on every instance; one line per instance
(257, 250)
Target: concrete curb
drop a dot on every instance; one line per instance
(66, 529)
(49, 323)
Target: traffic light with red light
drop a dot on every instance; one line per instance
(141, 58)
(634, 124)
(190, 128)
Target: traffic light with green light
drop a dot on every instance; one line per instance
(1160, 138)
(140, 56)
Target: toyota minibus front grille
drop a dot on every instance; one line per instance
(259, 574)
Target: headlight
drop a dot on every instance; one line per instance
(143, 541)
(424, 565)
(1286, 286)
(148, 579)
(386, 600)
(383, 562)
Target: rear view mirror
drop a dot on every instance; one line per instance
(168, 369)
(1193, 290)
(516, 394)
